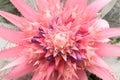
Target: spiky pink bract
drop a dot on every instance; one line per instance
(59, 42)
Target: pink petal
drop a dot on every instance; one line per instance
(11, 52)
(72, 3)
(97, 61)
(18, 21)
(108, 33)
(101, 72)
(16, 62)
(99, 24)
(107, 49)
(40, 74)
(96, 6)
(55, 77)
(54, 6)
(82, 75)
(20, 71)
(42, 4)
(26, 10)
(37, 76)
(11, 35)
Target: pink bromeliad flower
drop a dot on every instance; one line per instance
(59, 42)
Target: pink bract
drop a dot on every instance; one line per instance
(59, 42)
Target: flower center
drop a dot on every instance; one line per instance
(57, 43)
(60, 40)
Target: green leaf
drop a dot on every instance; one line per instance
(6, 5)
(8, 25)
(105, 10)
(32, 3)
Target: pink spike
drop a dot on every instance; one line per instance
(64, 57)
(69, 63)
(61, 67)
(39, 75)
(57, 60)
(11, 52)
(74, 66)
(105, 49)
(50, 70)
(16, 62)
(26, 10)
(18, 21)
(96, 6)
(11, 35)
(65, 16)
(82, 75)
(48, 54)
(108, 33)
(54, 76)
(19, 71)
(101, 72)
(73, 55)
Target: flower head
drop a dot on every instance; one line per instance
(59, 42)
